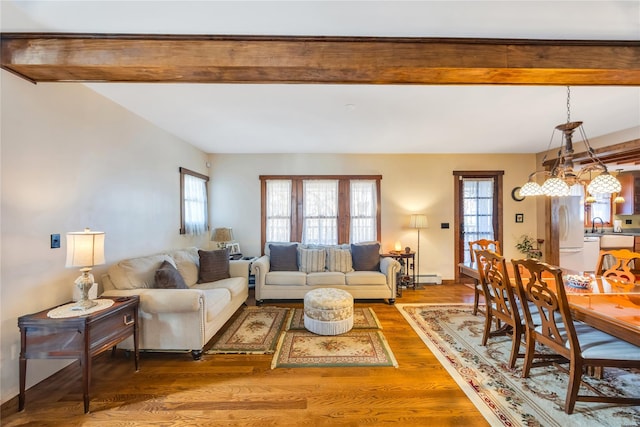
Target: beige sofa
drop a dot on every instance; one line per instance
(337, 271)
(178, 319)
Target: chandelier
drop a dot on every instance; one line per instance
(563, 175)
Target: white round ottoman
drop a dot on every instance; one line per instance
(328, 311)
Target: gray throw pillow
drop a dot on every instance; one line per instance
(366, 257)
(214, 265)
(283, 257)
(168, 277)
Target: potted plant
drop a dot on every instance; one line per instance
(529, 246)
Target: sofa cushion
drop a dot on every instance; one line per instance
(312, 260)
(328, 278)
(286, 278)
(366, 257)
(365, 278)
(339, 259)
(284, 257)
(136, 273)
(188, 264)
(235, 285)
(216, 301)
(214, 265)
(168, 277)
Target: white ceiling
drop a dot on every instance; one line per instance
(276, 118)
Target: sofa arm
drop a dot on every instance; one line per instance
(390, 268)
(261, 267)
(239, 268)
(165, 300)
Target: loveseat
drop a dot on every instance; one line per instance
(290, 270)
(186, 296)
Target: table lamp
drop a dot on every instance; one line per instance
(85, 249)
(222, 236)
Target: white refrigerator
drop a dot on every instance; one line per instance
(571, 229)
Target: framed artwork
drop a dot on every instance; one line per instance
(234, 248)
(519, 217)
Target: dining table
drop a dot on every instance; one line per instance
(607, 304)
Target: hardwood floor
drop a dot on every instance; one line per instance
(172, 389)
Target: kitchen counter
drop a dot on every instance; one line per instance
(631, 232)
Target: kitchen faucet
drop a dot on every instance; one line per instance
(593, 222)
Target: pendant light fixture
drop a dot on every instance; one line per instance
(562, 175)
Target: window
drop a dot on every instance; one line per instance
(193, 202)
(320, 209)
(320, 213)
(278, 210)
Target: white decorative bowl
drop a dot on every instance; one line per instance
(576, 281)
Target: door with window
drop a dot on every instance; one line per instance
(478, 210)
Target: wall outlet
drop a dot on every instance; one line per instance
(55, 241)
(628, 221)
(444, 225)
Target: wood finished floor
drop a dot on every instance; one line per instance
(242, 390)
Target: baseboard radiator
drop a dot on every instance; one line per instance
(426, 278)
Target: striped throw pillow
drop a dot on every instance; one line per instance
(339, 259)
(312, 260)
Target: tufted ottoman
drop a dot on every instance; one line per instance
(328, 311)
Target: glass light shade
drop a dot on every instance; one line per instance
(555, 187)
(618, 199)
(418, 221)
(398, 246)
(604, 184)
(531, 188)
(590, 199)
(85, 248)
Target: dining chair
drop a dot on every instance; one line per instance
(501, 305)
(621, 264)
(481, 244)
(580, 344)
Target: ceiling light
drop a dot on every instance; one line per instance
(562, 175)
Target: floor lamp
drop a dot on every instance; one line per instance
(418, 221)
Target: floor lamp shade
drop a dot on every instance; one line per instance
(418, 221)
(85, 248)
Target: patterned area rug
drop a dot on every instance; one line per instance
(453, 334)
(299, 349)
(255, 331)
(363, 318)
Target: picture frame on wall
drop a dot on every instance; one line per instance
(234, 248)
(519, 217)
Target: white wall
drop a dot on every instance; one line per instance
(415, 183)
(73, 159)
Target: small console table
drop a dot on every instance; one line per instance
(407, 261)
(77, 337)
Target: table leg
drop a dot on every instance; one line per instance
(85, 362)
(23, 374)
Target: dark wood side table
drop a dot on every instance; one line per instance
(79, 337)
(408, 262)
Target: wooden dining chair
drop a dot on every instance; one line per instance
(621, 264)
(501, 305)
(580, 344)
(476, 245)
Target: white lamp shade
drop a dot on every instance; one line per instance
(531, 188)
(604, 184)
(418, 221)
(85, 248)
(555, 187)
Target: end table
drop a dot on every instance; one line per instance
(80, 337)
(407, 262)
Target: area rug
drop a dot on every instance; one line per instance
(454, 334)
(300, 349)
(255, 331)
(363, 318)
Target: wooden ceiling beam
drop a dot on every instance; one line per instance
(65, 57)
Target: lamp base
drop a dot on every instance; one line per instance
(84, 304)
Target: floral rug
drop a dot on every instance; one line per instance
(255, 331)
(453, 334)
(363, 318)
(300, 349)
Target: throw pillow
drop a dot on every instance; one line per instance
(312, 260)
(366, 257)
(339, 259)
(168, 277)
(284, 257)
(214, 265)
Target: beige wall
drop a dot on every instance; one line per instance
(414, 183)
(72, 159)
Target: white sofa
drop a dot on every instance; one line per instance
(177, 319)
(295, 283)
